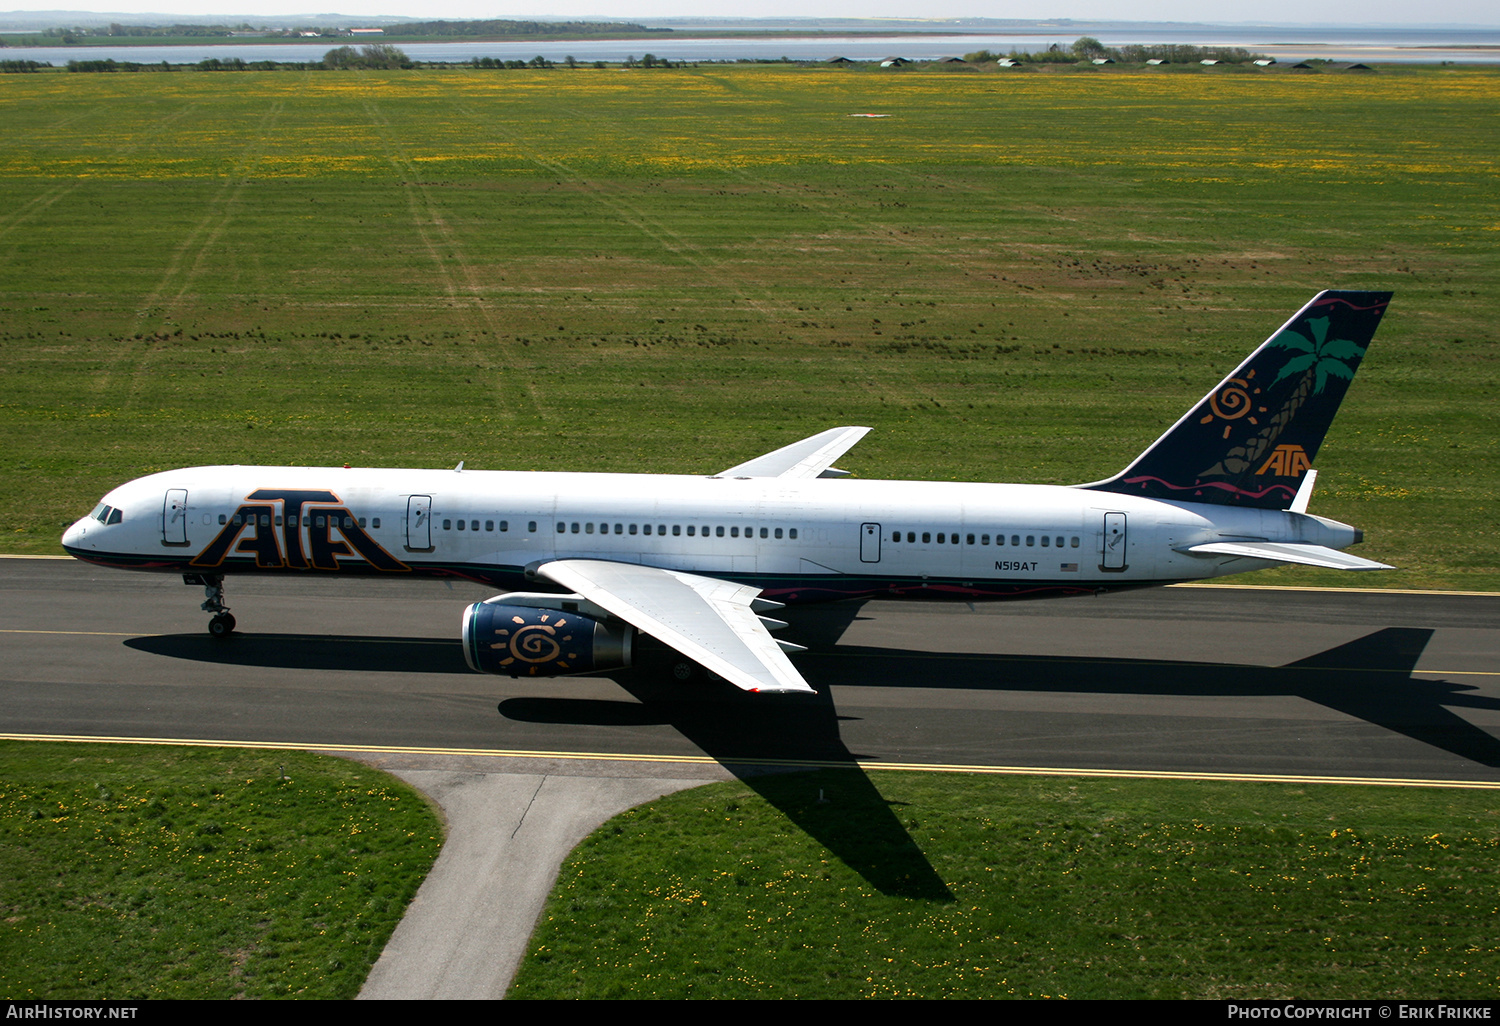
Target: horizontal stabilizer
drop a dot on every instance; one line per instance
(1288, 552)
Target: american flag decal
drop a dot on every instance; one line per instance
(1070, 568)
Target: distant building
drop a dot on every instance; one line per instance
(1102, 60)
(894, 62)
(1208, 60)
(1265, 62)
(1157, 60)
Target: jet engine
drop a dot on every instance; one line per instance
(508, 635)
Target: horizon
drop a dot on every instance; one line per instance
(1451, 15)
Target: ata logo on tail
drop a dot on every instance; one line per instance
(1286, 461)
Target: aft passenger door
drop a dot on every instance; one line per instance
(1114, 543)
(419, 523)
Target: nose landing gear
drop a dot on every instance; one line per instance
(222, 623)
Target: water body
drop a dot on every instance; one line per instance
(1382, 45)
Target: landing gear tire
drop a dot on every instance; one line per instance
(221, 626)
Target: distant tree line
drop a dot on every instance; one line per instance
(116, 29)
(1087, 48)
(500, 27)
(377, 55)
(374, 55)
(22, 67)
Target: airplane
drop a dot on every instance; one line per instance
(587, 563)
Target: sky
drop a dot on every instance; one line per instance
(1277, 12)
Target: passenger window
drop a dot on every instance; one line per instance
(692, 531)
(620, 529)
(1059, 541)
(575, 527)
(222, 518)
(792, 533)
(373, 523)
(489, 525)
(460, 525)
(447, 524)
(677, 530)
(561, 527)
(778, 532)
(1015, 539)
(734, 532)
(941, 538)
(1075, 541)
(926, 537)
(1031, 539)
(632, 529)
(984, 539)
(1044, 541)
(764, 533)
(896, 537)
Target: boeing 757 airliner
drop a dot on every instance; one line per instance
(585, 561)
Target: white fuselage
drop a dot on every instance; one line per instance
(798, 540)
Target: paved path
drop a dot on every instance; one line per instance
(511, 822)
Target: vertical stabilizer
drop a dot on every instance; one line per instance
(1250, 441)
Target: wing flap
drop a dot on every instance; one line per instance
(706, 619)
(808, 458)
(1288, 552)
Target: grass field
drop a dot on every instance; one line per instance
(156, 872)
(1054, 888)
(1010, 277)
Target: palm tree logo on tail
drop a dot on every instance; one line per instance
(1316, 359)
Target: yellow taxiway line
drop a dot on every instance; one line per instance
(704, 760)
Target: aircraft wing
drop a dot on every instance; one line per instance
(1289, 552)
(808, 458)
(706, 619)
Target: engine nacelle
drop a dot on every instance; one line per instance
(527, 641)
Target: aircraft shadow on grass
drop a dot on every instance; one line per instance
(760, 738)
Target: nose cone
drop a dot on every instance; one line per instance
(73, 537)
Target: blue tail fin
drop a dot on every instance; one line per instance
(1250, 440)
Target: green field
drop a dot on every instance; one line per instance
(1020, 278)
(1029, 887)
(158, 872)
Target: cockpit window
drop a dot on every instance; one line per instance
(106, 514)
(115, 516)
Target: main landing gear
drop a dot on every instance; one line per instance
(222, 623)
